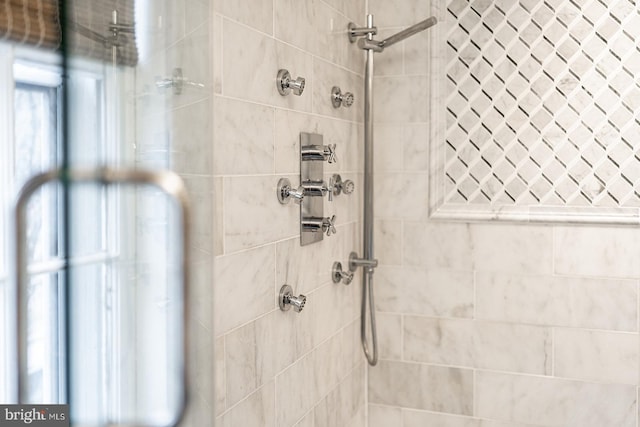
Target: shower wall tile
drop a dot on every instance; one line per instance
(388, 238)
(316, 27)
(390, 63)
(191, 146)
(342, 406)
(484, 247)
(412, 418)
(219, 376)
(476, 344)
(387, 157)
(597, 251)
(307, 360)
(396, 196)
(400, 99)
(399, 14)
(416, 147)
(327, 75)
(415, 61)
(384, 416)
(255, 411)
(353, 9)
(425, 291)
(420, 386)
(610, 357)
(256, 285)
(243, 136)
(254, 13)
(558, 301)
(250, 67)
(389, 336)
(552, 402)
(250, 203)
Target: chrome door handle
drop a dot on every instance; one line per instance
(168, 182)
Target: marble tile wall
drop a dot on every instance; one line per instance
(274, 368)
(488, 324)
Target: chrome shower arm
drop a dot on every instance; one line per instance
(398, 37)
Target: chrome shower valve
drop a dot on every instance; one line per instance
(339, 186)
(338, 274)
(285, 192)
(286, 84)
(286, 300)
(338, 98)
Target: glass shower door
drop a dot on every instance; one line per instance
(105, 325)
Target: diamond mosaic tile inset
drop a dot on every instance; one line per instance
(543, 105)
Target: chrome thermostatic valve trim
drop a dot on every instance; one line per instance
(285, 192)
(286, 300)
(286, 84)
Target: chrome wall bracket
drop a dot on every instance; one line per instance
(286, 300)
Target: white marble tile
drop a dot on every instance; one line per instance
(201, 190)
(417, 52)
(217, 54)
(388, 155)
(250, 274)
(353, 9)
(390, 61)
(255, 411)
(243, 138)
(597, 251)
(425, 291)
(240, 364)
(326, 76)
(388, 238)
(558, 301)
(552, 402)
(402, 99)
(396, 196)
(389, 335)
(477, 344)
(250, 68)
(419, 386)
(341, 406)
(393, 14)
(416, 147)
(252, 214)
(305, 267)
(512, 248)
(254, 13)
(384, 416)
(218, 216)
(438, 245)
(219, 377)
(191, 148)
(610, 357)
(295, 397)
(412, 418)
